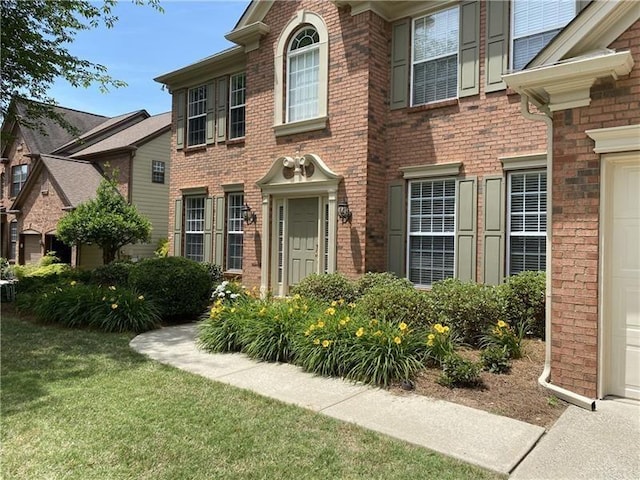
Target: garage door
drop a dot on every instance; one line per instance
(622, 275)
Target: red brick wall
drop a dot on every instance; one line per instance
(576, 203)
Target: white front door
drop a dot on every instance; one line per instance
(621, 276)
(303, 238)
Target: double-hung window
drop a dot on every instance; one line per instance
(194, 228)
(13, 239)
(303, 67)
(435, 57)
(157, 171)
(197, 116)
(527, 214)
(235, 235)
(534, 24)
(237, 105)
(431, 212)
(18, 178)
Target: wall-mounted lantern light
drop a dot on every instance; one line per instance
(344, 214)
(248, 216)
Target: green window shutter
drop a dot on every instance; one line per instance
(466, 206)
(180, 108)
(468, 58)
(211, 110)
(400, 43)
(177, 229)
(208, 228)
(219, 232)
(493, 235)
(221, 110)
(396, 229)
(496, 63)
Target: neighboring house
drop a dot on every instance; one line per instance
(354, 136)
(48, 173)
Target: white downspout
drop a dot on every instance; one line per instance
(563, 393)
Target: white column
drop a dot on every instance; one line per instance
(333, 222)
(266, 232)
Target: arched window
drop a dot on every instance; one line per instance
(303, 65)
(301, 75)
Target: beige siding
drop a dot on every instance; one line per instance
(152, 199)
(90, 257)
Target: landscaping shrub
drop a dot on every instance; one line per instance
(326, 288)
(372, 280)
(179, 287)
(386, 352)
(396, 302)
(49, 258)
(459, 372)
(496, 359)
(441, 342)
(215, 272)
(468, 308)
(229, 292)
(70, 304)
(124, 310)
(162, 248)
(33, 278)
(114, 273)
(524, 297)
(503, 336)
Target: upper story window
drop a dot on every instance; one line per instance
(157, 171)
(301, 75)
(303, 64)
(237, 105)
(435, 57)
(197, 116)
(18, 178)
(534, 24)
(13, 239)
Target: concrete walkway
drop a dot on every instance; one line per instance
(581, 445)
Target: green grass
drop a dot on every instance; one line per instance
(80, 404)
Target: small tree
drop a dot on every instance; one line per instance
(107, 220)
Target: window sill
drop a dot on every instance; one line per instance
(234, 142)
(232, 274)
(433, 105)
(302, 126)
(194, 148)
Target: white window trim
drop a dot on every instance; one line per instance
(21, 182)
(413, 28)
(229, 232)
(512, 35)
(281, 127)
(189, 118)
(235, 107)
(432, 234)
(509, 233)
(290, 56)
(193, 232)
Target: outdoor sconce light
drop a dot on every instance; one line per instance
(248, 216)
(343, 211)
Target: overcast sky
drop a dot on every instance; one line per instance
(144, 44)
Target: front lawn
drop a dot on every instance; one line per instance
(81, 404)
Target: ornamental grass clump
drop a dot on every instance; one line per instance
(222, 331)
(124, 310)
(70, 304)
(272, 330)
(504, 336)
(385, 352)
(441, 342)
(325, 344)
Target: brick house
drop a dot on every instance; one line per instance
(46, 174)
(359, 136)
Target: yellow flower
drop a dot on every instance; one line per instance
(446, 329)
(112, 287)
(431, 336)
(397, 340)
(502, 324)
(438, 328)
(326, 343)
(347, 319)
(114, 306)
(330, 311)
(312, 328)
(343, 321)
(263, 310)
(140, 297)
(430, 343)
(352, 305)
(341, 301)
(360, 332)
(377, 333)
(73, 282)
(218, 302)
(233, 309)
(320, 324)
(403, 326)
(334, 303)
(316, 342)
(307, 333)
(373, 322)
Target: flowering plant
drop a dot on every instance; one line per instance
(504, 336)
(441, 342)
(228, 292)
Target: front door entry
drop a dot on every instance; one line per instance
(303, 238)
